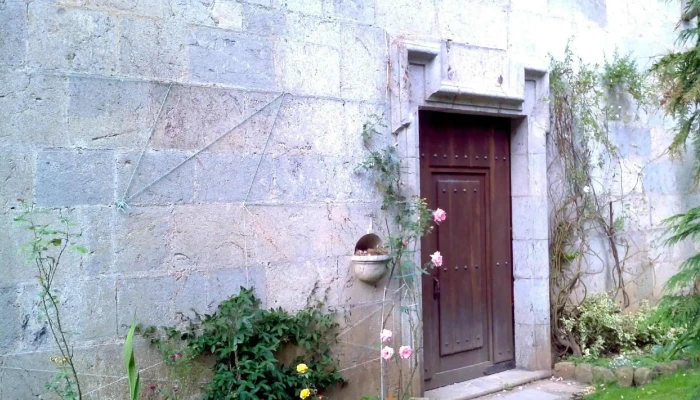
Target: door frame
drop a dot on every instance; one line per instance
(421, 79)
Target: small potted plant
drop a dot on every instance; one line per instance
(370, 259)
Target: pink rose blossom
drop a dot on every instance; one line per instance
(436, 258)
(405, 352)
(385, 335)
(439, 215)
(387, 353)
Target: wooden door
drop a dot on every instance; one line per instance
(468, 301)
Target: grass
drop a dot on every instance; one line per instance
(683, 385)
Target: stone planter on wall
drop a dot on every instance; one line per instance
(369, 266)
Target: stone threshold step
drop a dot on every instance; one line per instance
(486, 385)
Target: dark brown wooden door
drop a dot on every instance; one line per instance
(468, 301)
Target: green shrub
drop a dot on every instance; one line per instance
(248, 344)
(600, 327)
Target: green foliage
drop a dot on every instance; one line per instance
(248, 343)
(680, 305)
(602, 328)
(132, 373)
(622, 73)
(49, 243)
(682, 385)
(678, 75)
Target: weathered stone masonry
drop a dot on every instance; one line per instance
(82, 81)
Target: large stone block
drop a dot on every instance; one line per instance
(209, 236)
(10, 323)
(263, 20)
(71, 39)
(232, 178)
(13, 19)
(631, 141)
(295, 284)
(173, 187)
(311, 29)
(225, 283)
(225, 14)
(15, 267)
(308, 126)
(487, 25)
(530, 259)
(88, 308)
(142, 239)
(529, 218)
(584, 373)
(529, 175)
(194, 117)
(351, 221)
(667, 177)
(662, 206)
(67, 178)
(107, 113)
(17, 175)
(358, 10)
(485, 71)
(150, 8)
(533, 349)
(94, 223)
(308, 232)
(309, 69)
(593, 11)
(160, 301)
(155, 49)
(407, 16)
(33, 110)
(312, 7)
(364, 63)
(531, 301)
(232, 59)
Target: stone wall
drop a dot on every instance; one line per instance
(275, 203)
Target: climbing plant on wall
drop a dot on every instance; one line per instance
(408, 219)
(588, 199)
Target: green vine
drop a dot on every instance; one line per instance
(586, 101)
(251, 348)
(408, 219)
(45, 251)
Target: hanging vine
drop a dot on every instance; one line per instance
(588, 213)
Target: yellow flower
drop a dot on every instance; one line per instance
(305, 392)
(302, 368)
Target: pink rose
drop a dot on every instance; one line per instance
(385, 335)
(405, 352)
(436, 258)
(387, 353)
(439, 215)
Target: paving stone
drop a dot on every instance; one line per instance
(67, 178)
(112, 114)
(71, 39)
(309, 69)
(231, 58)
(584, 373)
(13, 19)
(152, 49)
(174, 187)
(625, 376)
(643, 376)
(564, 370)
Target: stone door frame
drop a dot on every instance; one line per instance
(422, 77)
